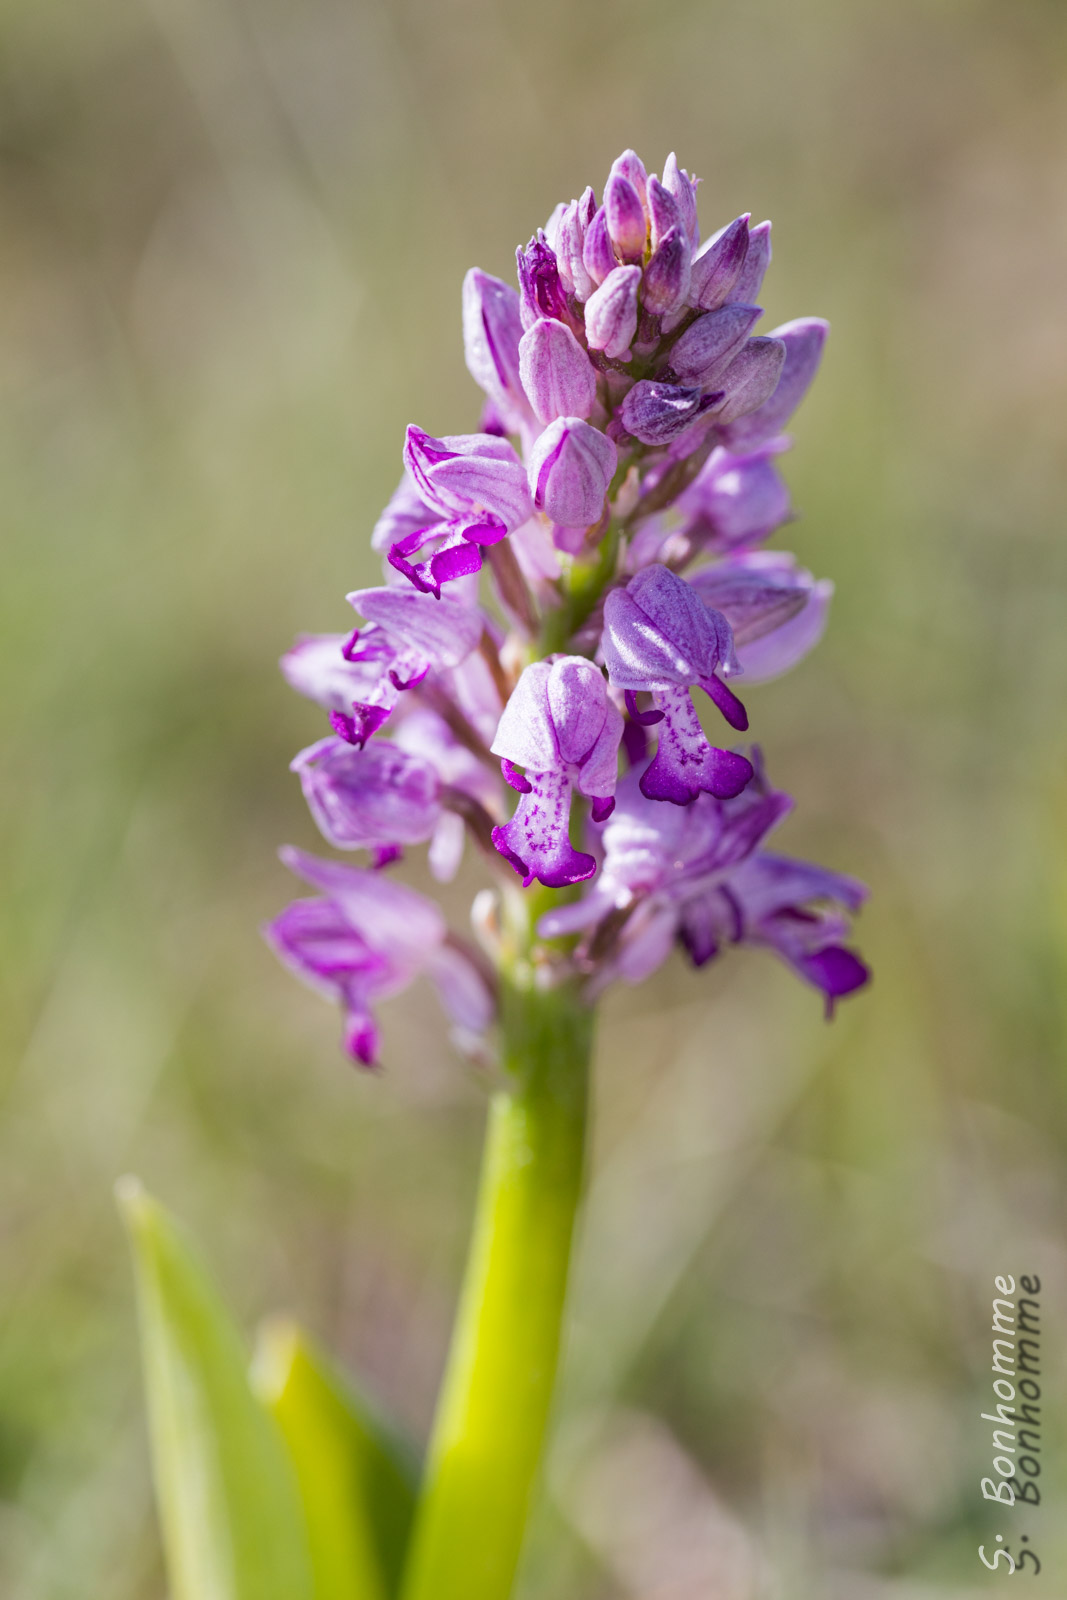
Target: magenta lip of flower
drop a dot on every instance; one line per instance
(561, 725)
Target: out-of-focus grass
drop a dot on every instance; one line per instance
(232, 242)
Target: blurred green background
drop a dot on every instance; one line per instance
(232, 239)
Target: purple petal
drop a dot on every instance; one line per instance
(707, 347)
(468, 473)
(737, 499)
(656, 413)
(492, 329)
(396, 920)
(541, 294)
(526, 732)
(570, 237)
(717, 268)
(749, 380)
(665, 215)
(757, 260)
(683, 188)
(630, 166)
(611, 312)
(803, 340)
(627, 225)
(665, 282)
(598, 257)
(557, 374)
(446, 631)
(570, 468)
(659, 632)
(362, 798)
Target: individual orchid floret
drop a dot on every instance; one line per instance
(736, 499)
(568, 245)
(492, 328)
(630, 166)
(803, 341)
(360, 677)
(664, 214)
(562, 726)
(598, 254)
(683, 188)
(715, 271)
(368, 798)
(707, 347)
(749, 381)
(571, 467)
(757, 260)
(477, 486)
(656, 413)
(786, 906)
(611, 313)
(541, 294)
(368, 938)
(777, 611)
(665, 282)
(625, 215)
(656, 860)
(660, 637)
(557, 374)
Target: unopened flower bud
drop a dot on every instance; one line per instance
(708, 345)
(630, 166)
(492, 328)
(803, 341)
(683, 188)
(611, 312)
(627, 224)
(557, 375)
(571, 466)
(597, 253)
(666, 278)
(570, 236)
(757, 260)
(718, 266)
(751, 378)
(664, 212)
(540, 291)
(656, 413)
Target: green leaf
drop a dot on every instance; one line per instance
(357, 1479)
(233, 1525)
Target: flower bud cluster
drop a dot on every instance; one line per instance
(623, 478)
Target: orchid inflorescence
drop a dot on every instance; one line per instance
(616, 496)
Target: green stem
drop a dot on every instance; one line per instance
(490, 1426)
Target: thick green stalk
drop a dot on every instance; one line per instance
(494, 1404)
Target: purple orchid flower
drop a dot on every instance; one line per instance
(630, 429)
(776, 611)
(736, 499)
(659, 636)
(699, 877)
(477, 486)
(368, 798)
(367, 939)
(561, 725)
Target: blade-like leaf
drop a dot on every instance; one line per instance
(358, 1480)
(233, 1524)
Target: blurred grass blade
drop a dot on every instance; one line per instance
(358, 1481)
(233, 1527)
